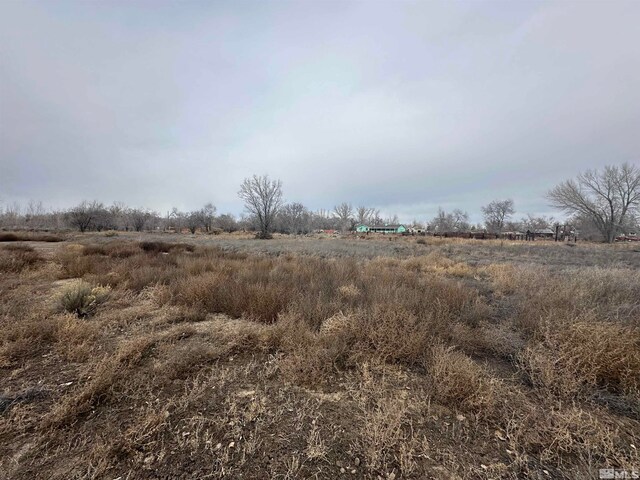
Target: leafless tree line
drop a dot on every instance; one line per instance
(601, 203)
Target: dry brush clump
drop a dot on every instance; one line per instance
(16, 258)
(586, 355)
(458, 381)
(82, 299)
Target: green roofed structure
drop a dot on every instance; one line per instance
(381, 229)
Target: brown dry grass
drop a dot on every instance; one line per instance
(15, 258)
(205, 362)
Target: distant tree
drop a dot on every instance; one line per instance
(175, 220)
(294, 218)
(344, 214)
(450, 222)
(363, 215)
(227, 222)
(533, 223)
(193, 220)
(84, 215)
(11, 215)
(138, 218)
(262, 198)
(103, 220)
(376, 219)
(248, 222)
(497, 213)
(320, 220)
(392, 220)
(35, 215)
(208, 216)
(120, 215)
(608, 198)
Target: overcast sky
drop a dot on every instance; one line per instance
(405, 106)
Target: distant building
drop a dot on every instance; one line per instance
(381, 229)
(544, 233)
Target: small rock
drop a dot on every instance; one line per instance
(353, 472)
(357, 462)
(342, 470)
(218, 446)
(232, 444)
(392, 476)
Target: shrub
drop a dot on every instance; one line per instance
(75, 264)
(585, 355)
(82, 299)
(459, 382)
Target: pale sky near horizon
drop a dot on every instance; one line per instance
(405, 106)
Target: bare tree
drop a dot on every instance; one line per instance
(344, 214)
(376, 219)
(392, 220)
(294, 218)
(207, 216)
(84, 215)
(120, 215)
(138, 218)
(363, 215)
(11, 215)
(606, 197)
(533, 223)
(175, 220)
(193, 220)
(450, 222)
(263, 199)
(497, 213)
(227, 222)
(35, 215)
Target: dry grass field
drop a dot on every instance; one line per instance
(139, 356)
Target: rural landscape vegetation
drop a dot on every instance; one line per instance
(319, 240)
(598, 205)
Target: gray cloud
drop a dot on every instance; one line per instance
(401, 105)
